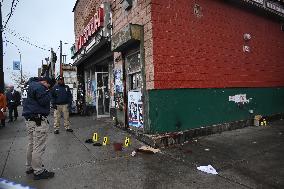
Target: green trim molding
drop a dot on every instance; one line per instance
(184, 109)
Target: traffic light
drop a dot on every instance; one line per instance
(54, 57)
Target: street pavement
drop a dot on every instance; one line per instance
(251, 157)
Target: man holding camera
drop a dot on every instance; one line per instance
(36, 108)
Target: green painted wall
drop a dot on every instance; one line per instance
(183, 109)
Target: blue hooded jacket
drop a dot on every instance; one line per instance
(37, 101)
(61, 95)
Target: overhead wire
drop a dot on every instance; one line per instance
(25, 39)
(13, 7)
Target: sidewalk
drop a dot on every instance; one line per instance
(247, 158)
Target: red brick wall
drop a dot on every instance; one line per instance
(207, 51)
(83, 12)
(140, 14)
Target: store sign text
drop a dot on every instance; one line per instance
(96, 22)
(258, 1)
(269, 5)
(275, 7)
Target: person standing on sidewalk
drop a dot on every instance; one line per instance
(36, 108)
(61, 102)
(14, 100)
(3, 107)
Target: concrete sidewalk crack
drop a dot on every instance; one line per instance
(82, 143)
(6, 160)
(234, 181)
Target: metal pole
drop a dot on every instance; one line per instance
(1, 53)
(61, 72)
(21, 69)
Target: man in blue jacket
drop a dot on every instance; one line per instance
(61, 101)
(36, 108)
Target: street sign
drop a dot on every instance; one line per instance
(16, 65)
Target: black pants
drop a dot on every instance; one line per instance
(2, 122)
(11, 109)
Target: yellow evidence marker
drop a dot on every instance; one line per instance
(264, 122)
(127, 142)
(95, 137)
(105, 141)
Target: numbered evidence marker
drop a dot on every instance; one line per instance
(264, 122)
(127, 142)
(105, 141)
(95, 137)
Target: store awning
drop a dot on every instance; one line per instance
(127, 36)
(85, 54)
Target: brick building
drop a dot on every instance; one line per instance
(179, 65)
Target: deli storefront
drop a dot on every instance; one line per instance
(94, 60)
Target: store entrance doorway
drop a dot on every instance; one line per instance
(102, 94)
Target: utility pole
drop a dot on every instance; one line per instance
(1, 53)
(21, 69)
(51, 63)
(61, 71)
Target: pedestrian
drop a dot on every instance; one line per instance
(61, 102)
(14, 100)
(36, 108)
(3, 107)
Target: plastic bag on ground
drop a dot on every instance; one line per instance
(207, 169)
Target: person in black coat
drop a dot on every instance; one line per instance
(13, 101)
(61, 100)
(36, 108)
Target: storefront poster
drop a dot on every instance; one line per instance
(94, 90)
(135, 109)
(91, 92)
(118, 81)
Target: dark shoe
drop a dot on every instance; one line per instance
(44, 175)
(97, 144)
(69, 130)
(30, 171)
(56, 132)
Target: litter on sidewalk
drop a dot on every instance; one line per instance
(148, 149)
(257, 119)
(207, 169)
(89, 141)
(97, 144)
(133, 153)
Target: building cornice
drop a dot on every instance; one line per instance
(77, 1)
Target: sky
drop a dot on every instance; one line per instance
(41, 22)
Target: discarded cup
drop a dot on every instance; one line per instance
(207, 149)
